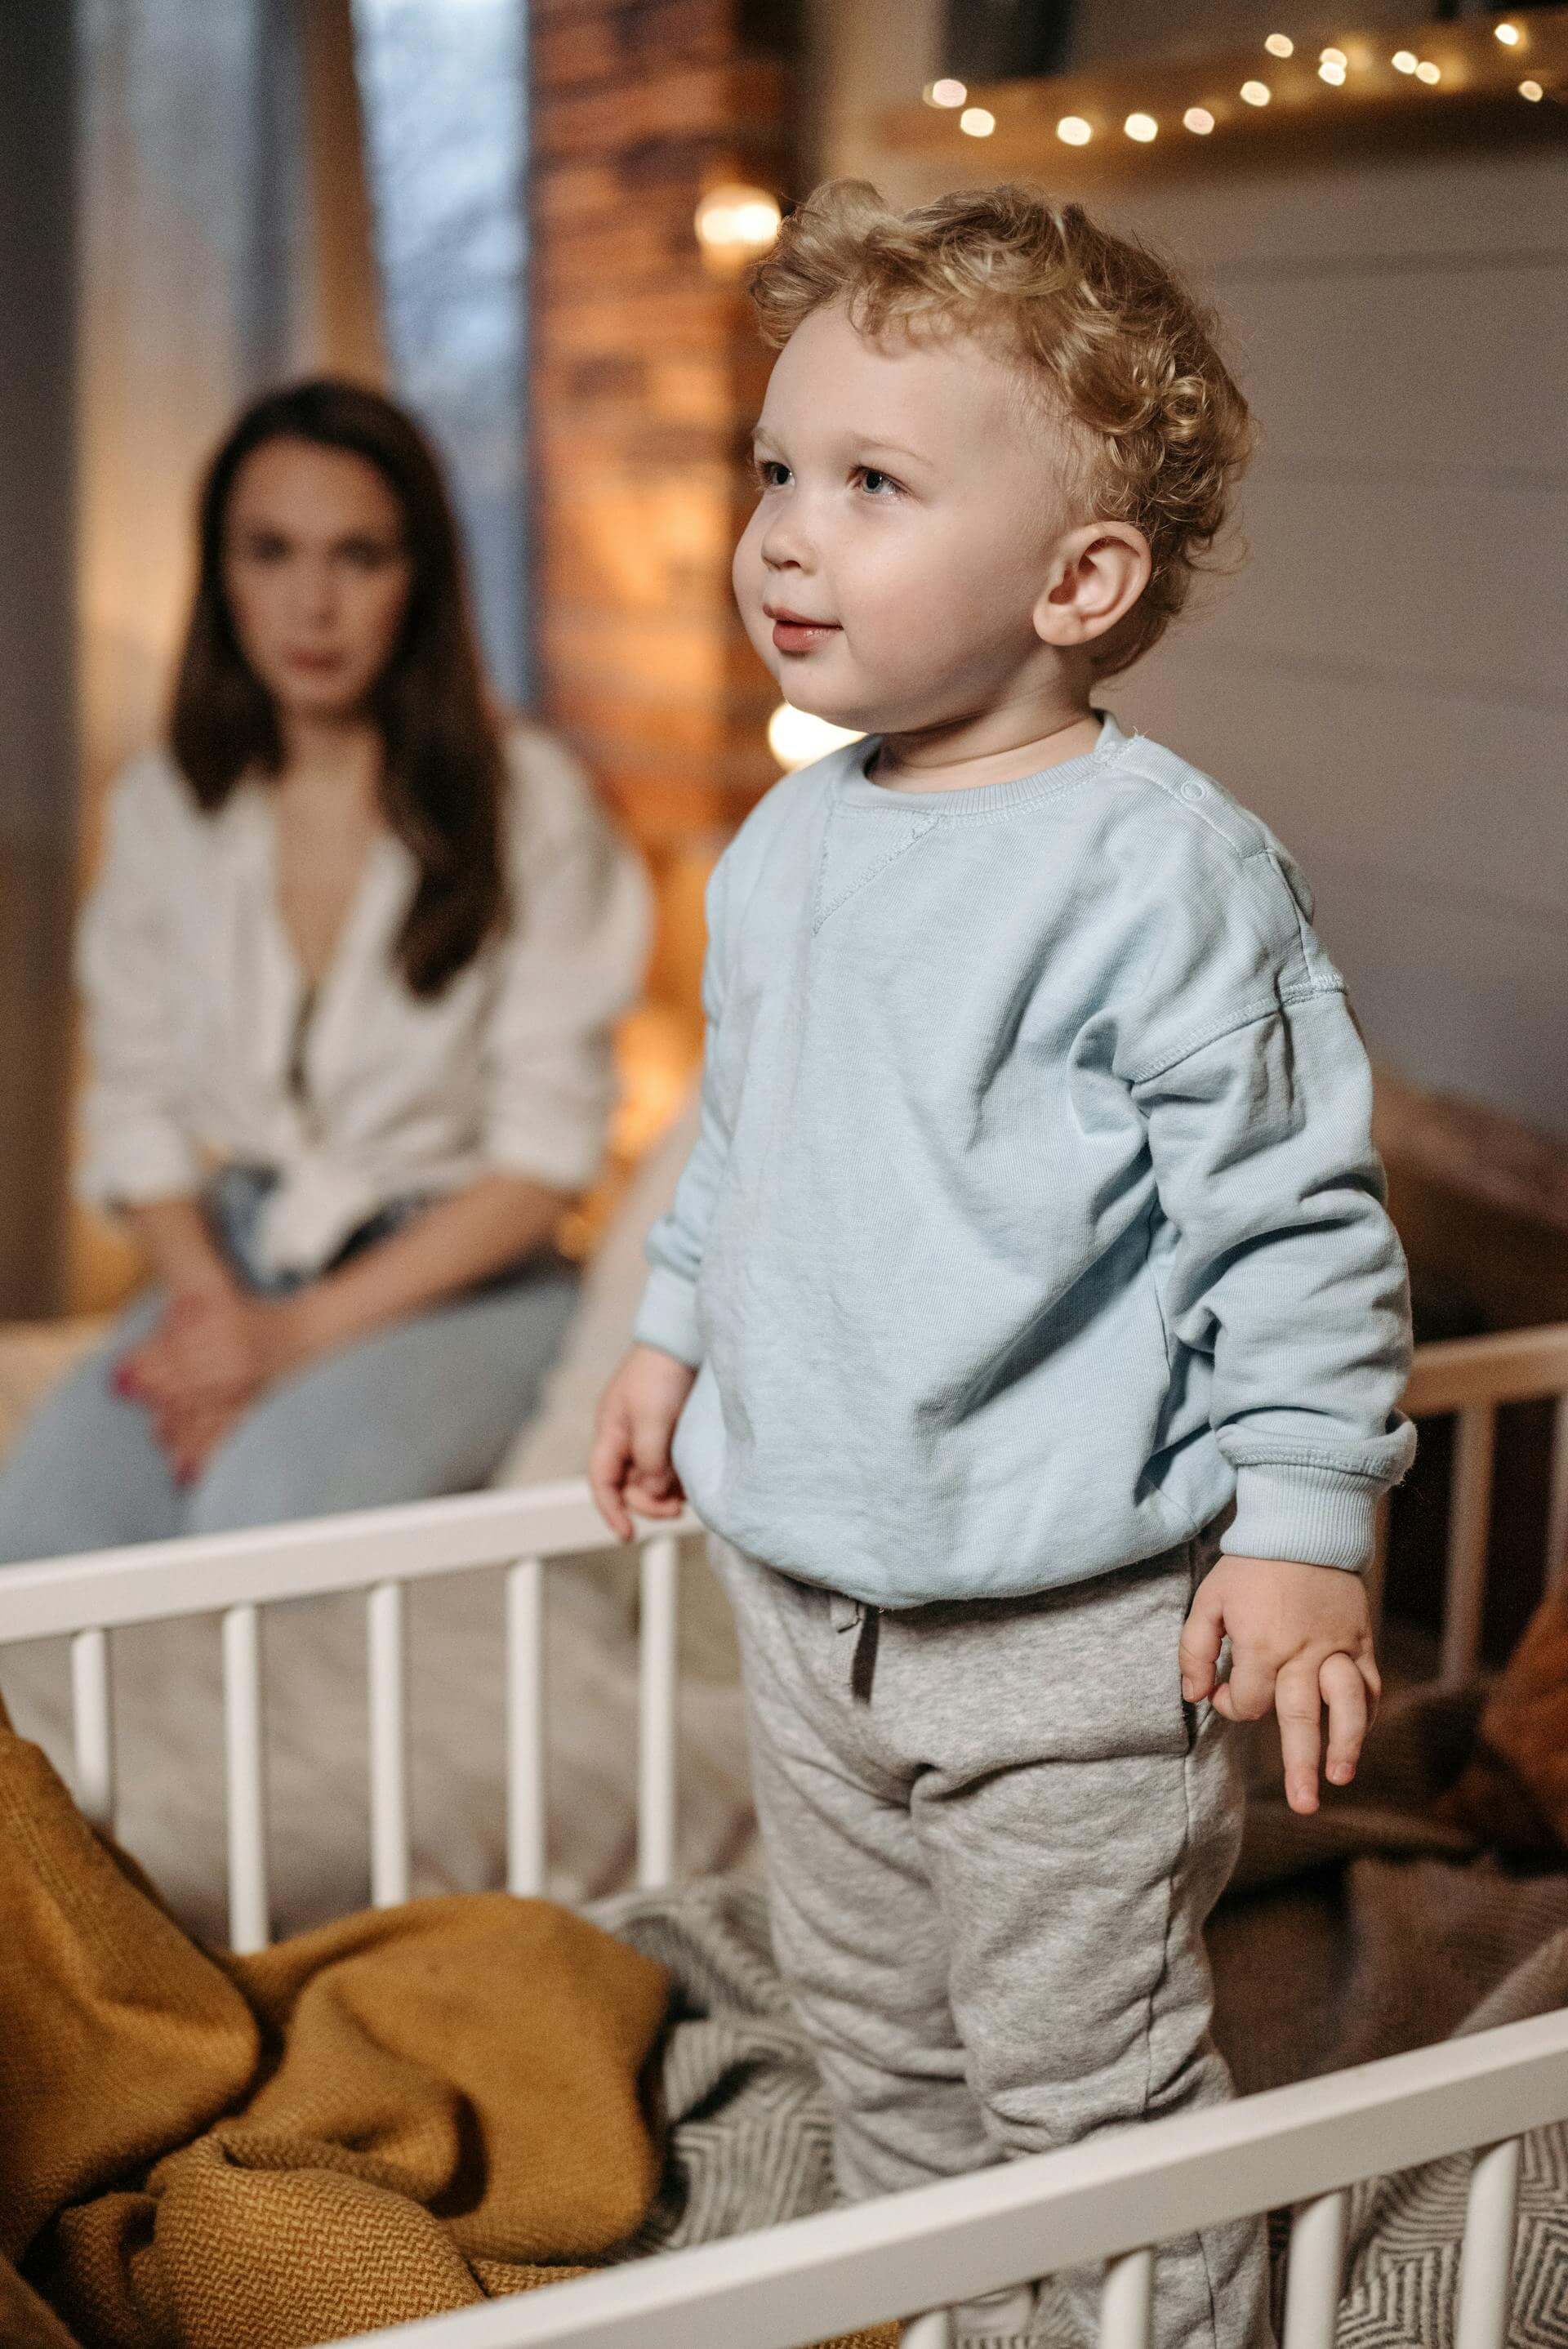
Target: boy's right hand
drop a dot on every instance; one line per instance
(630, 1462)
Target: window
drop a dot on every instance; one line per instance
(444, 86)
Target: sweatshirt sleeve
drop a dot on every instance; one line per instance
(667, 1316)
(138, 1145)
(1287, 1269)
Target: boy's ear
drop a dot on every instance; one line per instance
(1097, 574)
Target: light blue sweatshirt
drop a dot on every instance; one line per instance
(1034, 1214)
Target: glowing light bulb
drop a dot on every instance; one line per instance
(978, 121)
(1280, 44)
(1332, 74)
(1405, 61)
(736, 225)
(1509, 35)
(795, 737)
(1141, 127)
(1074, 131)
(1428, 72)
(945, 92)
(1532, 91)
(1332, 58)
(1256, 93)
(1199, 118)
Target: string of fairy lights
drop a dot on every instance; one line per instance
(1336, 68)
(736, 223)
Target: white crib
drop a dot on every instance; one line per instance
(1109, 2201)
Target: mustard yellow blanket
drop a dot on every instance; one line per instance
(401, 2113)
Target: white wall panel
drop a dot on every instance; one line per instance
(1446, 579)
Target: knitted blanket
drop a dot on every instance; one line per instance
(388, 2117)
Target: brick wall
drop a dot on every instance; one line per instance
(645, 376)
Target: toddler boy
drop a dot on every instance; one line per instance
(1029, 1306)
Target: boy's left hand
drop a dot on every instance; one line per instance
(1301, 1638)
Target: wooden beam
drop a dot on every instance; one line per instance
(1511, 1366)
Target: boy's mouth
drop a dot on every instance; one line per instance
(795, 632)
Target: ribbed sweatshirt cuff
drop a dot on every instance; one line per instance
(1323, 1516)
(667, 1317)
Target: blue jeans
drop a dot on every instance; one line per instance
(428, 1405)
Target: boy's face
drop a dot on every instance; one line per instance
(908, 500)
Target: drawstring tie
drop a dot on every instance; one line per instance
(847, 1614)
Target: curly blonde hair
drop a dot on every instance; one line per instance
(1103, 334)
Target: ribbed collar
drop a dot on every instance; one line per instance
(852, 787)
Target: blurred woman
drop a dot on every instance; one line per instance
(350, 970)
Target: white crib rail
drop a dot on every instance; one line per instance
(1473, 1377)
(92, 1720)
(386, 1657)
(202, 1575)
(1316, 2275)
(657, 1714)
(1108, 2201)
(381, 1552)
(245, 1777)
(525, 1727)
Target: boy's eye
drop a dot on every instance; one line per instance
(877, 484)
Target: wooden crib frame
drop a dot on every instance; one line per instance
(1110, 2200)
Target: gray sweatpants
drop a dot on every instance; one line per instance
(993, 1832)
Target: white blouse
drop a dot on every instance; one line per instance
(194, 997)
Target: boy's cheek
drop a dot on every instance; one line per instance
(750, 590)
(746, 573)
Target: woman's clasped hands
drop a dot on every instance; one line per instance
(212, 1354)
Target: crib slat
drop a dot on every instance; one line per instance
(1486, 2258)
(386, 1617)
(1470, 1519)
(1316, 2273)
(525, 1811)
(656, 1725)
(1557, 1509)
(92, 1726)
(1127, 2302)
(1377, 1576)
(244, 1779)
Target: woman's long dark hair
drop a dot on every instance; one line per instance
(443, 772)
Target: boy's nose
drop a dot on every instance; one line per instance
(787, 545)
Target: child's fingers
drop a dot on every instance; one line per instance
(607, 1465)
(1250, 1691)
(653, 1487)
(651, 1453)
(1348, 1699)
(659, 1496)
(1298, 1704)
(1199, 1653)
